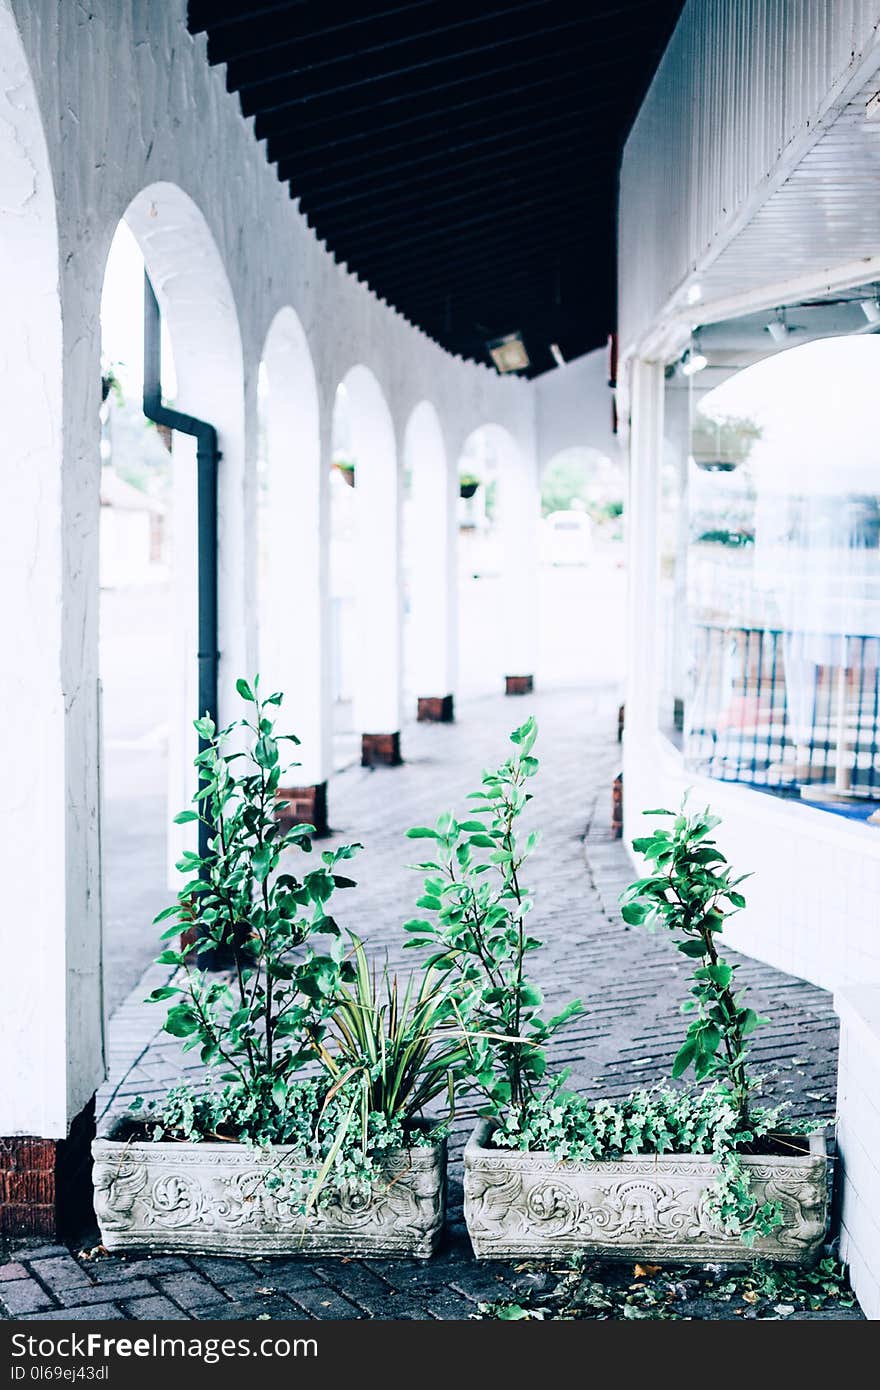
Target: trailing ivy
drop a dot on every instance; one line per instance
(658, 1121)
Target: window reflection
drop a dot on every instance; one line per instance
(783, 575)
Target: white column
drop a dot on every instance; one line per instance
(294, 543)
(431, 552)
(378, 697)
(51, 1027)
(645, 455)
(520, 511)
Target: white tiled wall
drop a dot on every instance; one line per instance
(858, 1139)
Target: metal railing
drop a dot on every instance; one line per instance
(787, 711)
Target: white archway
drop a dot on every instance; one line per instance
(292, 562)
(198, 312)
(430, 537)
(378, 676)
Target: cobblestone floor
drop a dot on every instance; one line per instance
(631, 982)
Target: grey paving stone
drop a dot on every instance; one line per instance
(22, 1296)
(100, 1293)
(90, 1312)
(13, 1270)
(224, 1272)
(191, 1290)
(63, 1275)
(324, 1303)
(112, 1270)
(153, 1308)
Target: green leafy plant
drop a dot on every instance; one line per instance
(477, 907)
(257, 1028)
(691, 892)
(400, 1048)
(661, 1120)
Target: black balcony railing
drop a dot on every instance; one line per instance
(786, 711)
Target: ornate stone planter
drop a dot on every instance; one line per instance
(214, 1199)
(639, 1206)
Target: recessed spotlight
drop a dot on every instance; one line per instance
(694, 294)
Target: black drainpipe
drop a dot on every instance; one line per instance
(207, 457)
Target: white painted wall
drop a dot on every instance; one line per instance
(858, 1139)
(573, 408)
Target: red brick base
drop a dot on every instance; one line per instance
(46, 1184)
(617, 807)
(304, 805)
(380, 750)
(519, 685)
(621, 716)
(436, 709)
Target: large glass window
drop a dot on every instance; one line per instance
(783, 575)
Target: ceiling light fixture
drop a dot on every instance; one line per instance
(694, 294)
(778, 328)
(693, 360)
(509, 353)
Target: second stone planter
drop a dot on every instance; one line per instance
(641, 1206)
(231, 1199)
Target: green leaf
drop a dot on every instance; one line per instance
(422, 832)
(634, 913)
(683, 1058)
(181, 1021)
(692, 948)
(244, 689)
(183, 817)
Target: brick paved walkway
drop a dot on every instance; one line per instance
(632, 984)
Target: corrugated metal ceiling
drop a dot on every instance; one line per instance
(461, 157)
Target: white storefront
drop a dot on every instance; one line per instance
(748, 191)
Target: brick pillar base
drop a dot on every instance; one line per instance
(519, 685)
(621, 715)
(436, 709)
(304, 805)
(380, 750)
(617, 807)
(46, 1184)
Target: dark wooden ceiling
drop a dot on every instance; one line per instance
(460, 155)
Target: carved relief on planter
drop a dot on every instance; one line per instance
(641, 1205)
(229, 1199)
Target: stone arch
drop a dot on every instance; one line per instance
(430, 550)
(196, 302)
